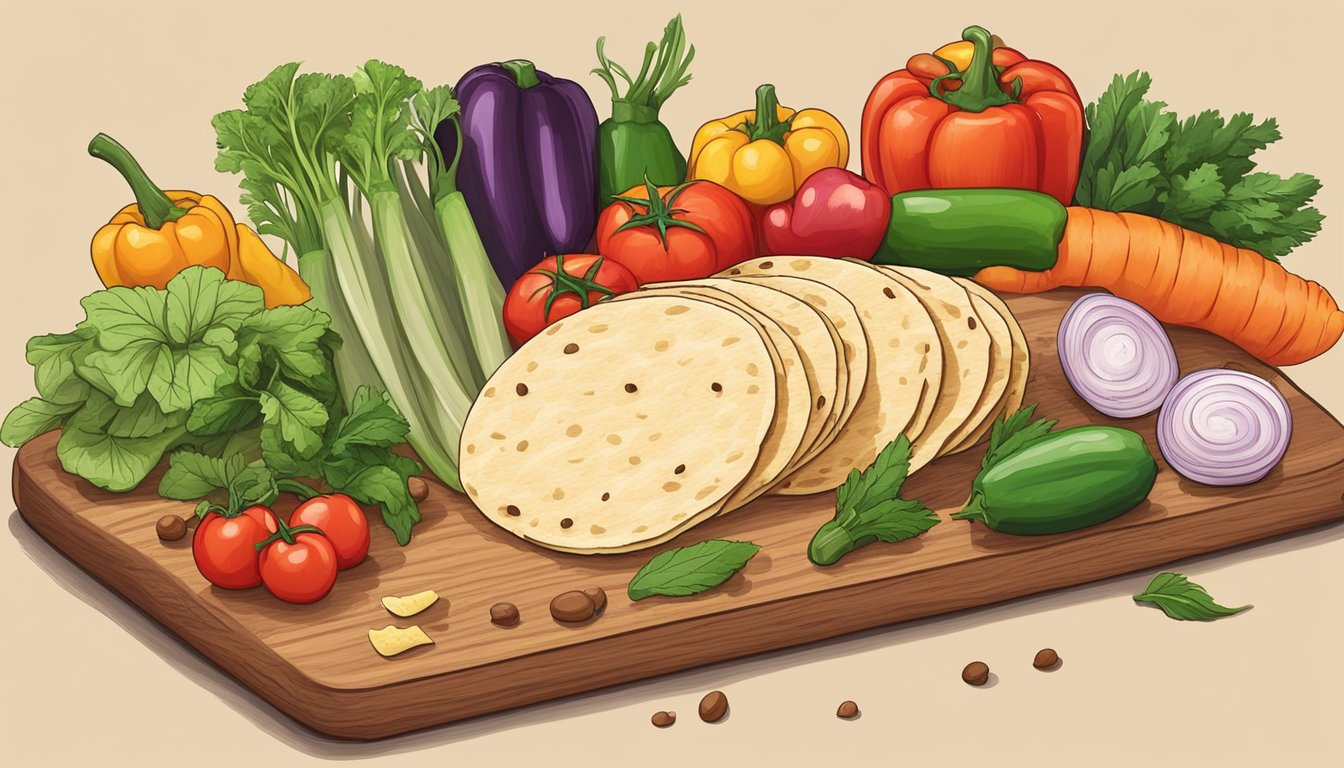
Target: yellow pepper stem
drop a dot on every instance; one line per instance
(155, 206)
(767, 124)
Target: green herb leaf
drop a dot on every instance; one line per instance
(373, 420)
(115, 463)
(691, 570)
(299, 417)
(53, 360)
(1182, 599)
(33, 417)
(880, 482)
(1195, 172)
(1013, 433)
(385, 487)
(869, 509)
(193, 475)
(144, 419)
(227, 412)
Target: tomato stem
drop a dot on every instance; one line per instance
(659, 211)
(286, 533)
(302, 490)
(563, 282)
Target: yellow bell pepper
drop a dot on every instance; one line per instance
(164, 232)
(765, 154)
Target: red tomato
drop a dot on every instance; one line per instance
(299, 572)
(558, 287)
(341, 520)
(677, 233)
(224, 548)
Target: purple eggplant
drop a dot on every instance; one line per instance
(528, 168)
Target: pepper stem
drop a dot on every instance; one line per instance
(980, 87)
(523, 71)
(767, 124)
(155, 206)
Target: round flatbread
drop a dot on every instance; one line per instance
(965, 359)
(1000, 365)
(842, 320)
(789, 432)
(904, 364)
(621, 426)
(1019, 363)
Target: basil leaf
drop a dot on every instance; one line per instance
(691, 570)
(1183, 600)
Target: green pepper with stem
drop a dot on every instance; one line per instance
(632, 144)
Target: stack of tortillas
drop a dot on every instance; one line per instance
(623, 425)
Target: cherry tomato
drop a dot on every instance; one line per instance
(301, 571)
(558, 287)
(224, 548)
(343, 523)
(677, 233)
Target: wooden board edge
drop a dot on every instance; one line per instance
(436, 700)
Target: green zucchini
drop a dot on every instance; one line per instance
(1062, 481)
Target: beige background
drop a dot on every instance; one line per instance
(88, 681)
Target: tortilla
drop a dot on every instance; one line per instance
(621, 426)
(1019, 363)
(965, 359)
(842, 320)
(793, 426)
(904, 364)
(1000, 365)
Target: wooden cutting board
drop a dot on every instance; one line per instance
(315, 663)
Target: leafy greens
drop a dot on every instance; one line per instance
(1196, 172)
(244, 398)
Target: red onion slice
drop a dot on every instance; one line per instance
(1116, 356)
(1221, 427)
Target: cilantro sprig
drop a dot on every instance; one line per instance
(868, 508)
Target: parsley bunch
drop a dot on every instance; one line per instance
(1195, 172)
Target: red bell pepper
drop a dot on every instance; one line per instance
(835, 213)
(1002, 121)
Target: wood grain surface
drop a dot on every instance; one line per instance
(315, 663)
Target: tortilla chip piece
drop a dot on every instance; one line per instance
(390, 641)
(411, 604)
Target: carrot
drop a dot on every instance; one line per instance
(1187, 278)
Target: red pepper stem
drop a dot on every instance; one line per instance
(155, 206)
(767, 124)
(980, 88)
